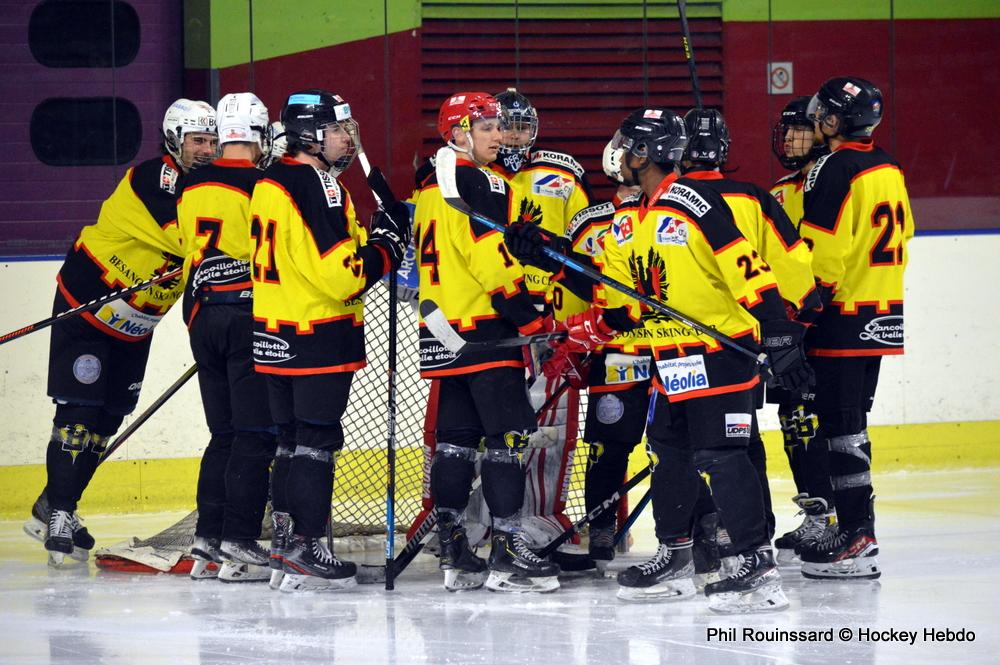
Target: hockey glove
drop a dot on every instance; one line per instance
(786, 358)
(563, 363)
(527, 242)
(391, 231)
(586, 331)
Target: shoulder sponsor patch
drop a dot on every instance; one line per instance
(814, 171)
(622, 229)
(689, 198)
(671, 231)
(168, 178)
(683, 375)
(496, 182)
(602, 210)
(331, 188)
(738, 425)
(552, 184)
(560, 158)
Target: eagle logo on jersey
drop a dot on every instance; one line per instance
(530, 212)
(650, 278)
(170, 263)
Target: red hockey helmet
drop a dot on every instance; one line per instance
(464, 108)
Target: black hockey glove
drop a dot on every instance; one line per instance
(391, 231)
(526, 241)
(787, 360)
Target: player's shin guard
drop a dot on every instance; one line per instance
(758, 458)
(503, 482)
(850, 474)
(310, 490)
(798, 428)
(211, 497)
(674, 484)
(737, 494)
(452, 470)
(247, 485)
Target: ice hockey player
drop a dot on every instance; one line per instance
(467, 270)
(684, 244)
(97, 360)
(792, 143)
(547, 188)
(213, 214)
(311, 264)
(857, 219)
(769, 231)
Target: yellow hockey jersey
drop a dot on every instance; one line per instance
(466, 269)
(213, 215)
(548, 190)
(764, 223)
(683, 248)
(134, 239)
(787, 191)
(857, 219)
(310, 265)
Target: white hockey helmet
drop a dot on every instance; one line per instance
(279, 144)
(242, 117)
(611, 161)
(183, 117)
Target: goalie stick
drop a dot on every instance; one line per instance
(437, 323)
(449, 191)
(88, 306)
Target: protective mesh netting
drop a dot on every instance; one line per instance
(361, 474)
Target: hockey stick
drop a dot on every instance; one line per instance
(437, 323)
(148, 413)
(586, 519)
(88, 306)
(633, 516)
(449, 191)
(689, 52)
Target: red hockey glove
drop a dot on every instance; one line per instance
(586, 331)
(563, 363)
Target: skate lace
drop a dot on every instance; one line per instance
(322, 554)
(812, 526)
(659, 560)
(523, 551)
(835, 538)
(746, 566)
(60, 524)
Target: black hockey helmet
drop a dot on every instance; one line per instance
(657, 133)
(855, 101)
(802, 149)
(520, 131)
(708, 137)
(306, 115)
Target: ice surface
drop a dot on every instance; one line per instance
(939, 535)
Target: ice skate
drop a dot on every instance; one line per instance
(602, 546)
(281, 523)
(207, 558)
(515, 568)
(846, 554)
(38, 528)
(754, 587)
(463, 570)
(705, 551)
(244, 561)
(813, 528)
(669, 575)
(59, 537)
(309, 566)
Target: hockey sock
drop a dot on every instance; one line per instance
(817, 471)
(67, 444)
(503, 483)
(607, 464)
(758, 458)
(246, 484)
(797, 429)
(674, 485)
(452, 470)
(211, 497)
(279, 478)
(850, 471)
(310, 490)
(737, 494)
(86, 464)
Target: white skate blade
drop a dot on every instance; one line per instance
(510, 583)
(667, 590)
(56, 559)
(293, 582)
(237, 571)
(858, 568)
(788, 558)
(463, 580)
(202, 569)
(39, 530)
(701, 579)
(768, 598)
(276, 577)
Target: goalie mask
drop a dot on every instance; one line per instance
(242, 118)
(185, 117)
(857, 104)
(792, 139)
(708, 138)
(521, 130)
(611, 162)
(279, 144)
(319, 123)
(655, 133)
(462, 110)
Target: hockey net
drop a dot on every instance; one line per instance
(358, 510)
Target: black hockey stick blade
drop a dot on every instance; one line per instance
(438, 325)
(447, 184)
